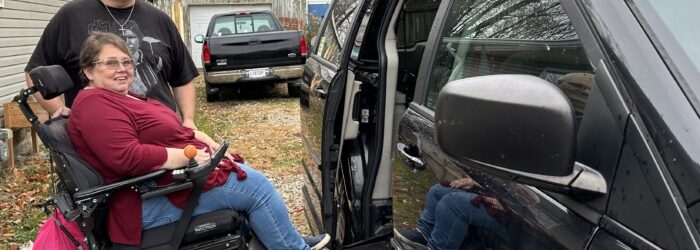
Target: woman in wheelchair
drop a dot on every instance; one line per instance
(123, 135)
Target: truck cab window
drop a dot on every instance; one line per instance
(264, 23)
(223, 25)
(243, 23)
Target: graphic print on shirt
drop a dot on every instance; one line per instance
(148, 64)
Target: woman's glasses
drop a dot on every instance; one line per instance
(114, 63)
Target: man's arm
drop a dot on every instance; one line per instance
(185, 98)
(55, 106)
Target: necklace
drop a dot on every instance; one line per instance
(121, 26)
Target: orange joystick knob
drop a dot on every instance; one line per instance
(190, 151)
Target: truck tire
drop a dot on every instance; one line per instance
(211, 97)
(293, 89)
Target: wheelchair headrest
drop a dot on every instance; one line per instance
(51, 81)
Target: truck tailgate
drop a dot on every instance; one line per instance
(255, 50)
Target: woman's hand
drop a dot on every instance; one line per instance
(62, 111)
(213, 145)
(176, 158)
(203, 137)
(493, 203)
(465, 183)
(202, 157)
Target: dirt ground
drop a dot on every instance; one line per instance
(263, 126)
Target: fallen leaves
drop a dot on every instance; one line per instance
(22, 189)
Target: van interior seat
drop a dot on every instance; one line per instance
(263, 28)
(224, 32)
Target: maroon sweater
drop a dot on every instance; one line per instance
(122, 137)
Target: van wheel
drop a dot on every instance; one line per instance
(293, 89)
(211, 96)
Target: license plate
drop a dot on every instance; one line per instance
(256, 73)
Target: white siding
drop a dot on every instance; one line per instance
(21, 25)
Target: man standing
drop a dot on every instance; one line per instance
(163, 65)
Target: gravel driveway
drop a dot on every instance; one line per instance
(263, 126)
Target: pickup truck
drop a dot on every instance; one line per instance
(250, 47)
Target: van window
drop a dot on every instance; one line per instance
(412, 31)
(241, 24)
(670, 25)
(485, 37)
(415, 20)
(337, 28)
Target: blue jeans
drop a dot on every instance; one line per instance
(449, 213)
(255, 196)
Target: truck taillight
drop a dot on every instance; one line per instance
(206, 56)
(302, 46)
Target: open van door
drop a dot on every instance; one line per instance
(321, 101)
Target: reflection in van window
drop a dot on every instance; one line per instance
(336, 30)
(507, 37)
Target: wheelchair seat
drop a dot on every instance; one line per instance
(77, 175)
(79, 182)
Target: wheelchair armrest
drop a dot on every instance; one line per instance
(160, 191)
(204, 170)
(107, 189)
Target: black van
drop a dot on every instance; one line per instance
(504, 124)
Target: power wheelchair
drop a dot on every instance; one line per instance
(82, 194)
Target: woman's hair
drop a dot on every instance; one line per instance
(92, 46)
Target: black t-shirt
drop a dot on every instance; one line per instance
(161, 57)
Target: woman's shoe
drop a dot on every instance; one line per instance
(318, 242)
(413, 237)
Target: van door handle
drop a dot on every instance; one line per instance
(412, 162)
(320, 93)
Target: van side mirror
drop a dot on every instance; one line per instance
(199, 39)
(518, 127)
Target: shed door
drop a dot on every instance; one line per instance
(199, 20)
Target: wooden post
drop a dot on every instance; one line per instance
(10, 153)
(14, 118)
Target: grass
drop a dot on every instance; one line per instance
(22, 190)
(409, 194)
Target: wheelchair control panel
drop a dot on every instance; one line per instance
(194, 170)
